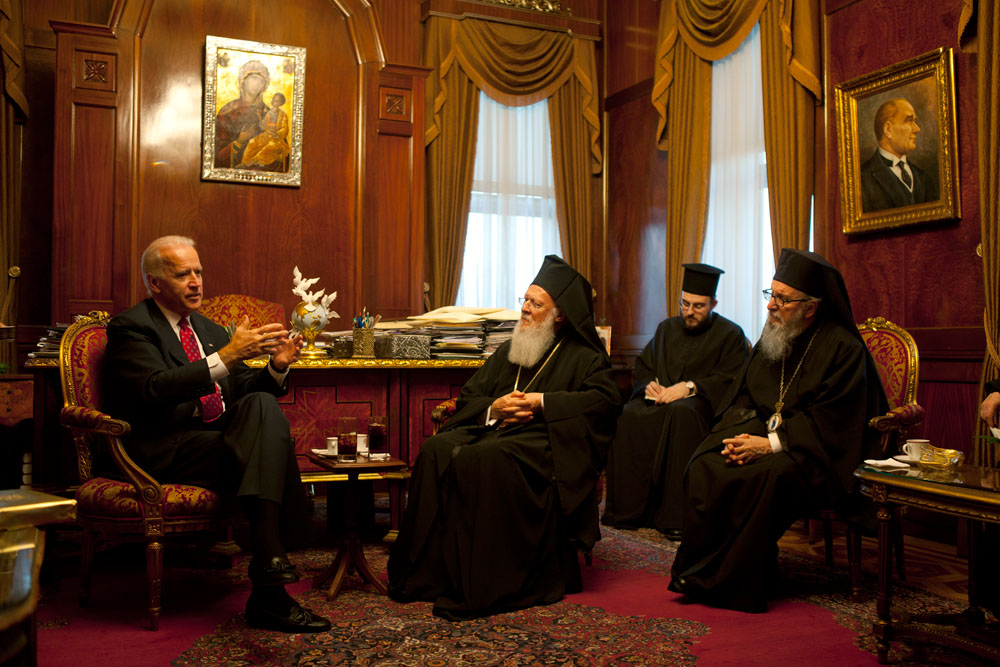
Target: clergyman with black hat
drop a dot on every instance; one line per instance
(504, 495)
(681, 378)
(792, 432)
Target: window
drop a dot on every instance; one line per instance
(738, 234)
(512, 216)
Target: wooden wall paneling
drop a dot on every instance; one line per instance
(630, 42)
(400, 36)
(91, 172)
(636, 201)
(393, 226)
(584, 23)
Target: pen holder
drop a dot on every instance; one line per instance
(364, 343)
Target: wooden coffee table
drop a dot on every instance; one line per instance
(350, 554)
(971, 493)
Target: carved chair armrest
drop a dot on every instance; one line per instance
(443, 412)
(93, 421)
(902, 418)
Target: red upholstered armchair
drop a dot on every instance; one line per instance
(227, 309)
(897, 360)
(140, 508)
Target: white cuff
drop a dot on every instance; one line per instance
(775, 442)
(216, 368)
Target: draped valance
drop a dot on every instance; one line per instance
(513, 65)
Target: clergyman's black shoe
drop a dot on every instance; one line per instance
(276, 572)
(674, 534)
(294, 618)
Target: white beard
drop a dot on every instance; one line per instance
(530, 342)
(776, 339)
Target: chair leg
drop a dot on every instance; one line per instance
(154, 577)
(828, 540)
(854, 560)
(86, 561)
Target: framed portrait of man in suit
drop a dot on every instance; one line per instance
(896, 145)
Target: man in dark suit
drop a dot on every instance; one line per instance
(199, 415)
(888, 180)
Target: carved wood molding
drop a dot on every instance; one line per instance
(507, 12)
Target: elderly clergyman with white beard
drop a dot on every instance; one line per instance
(504, 495)
(789, 438)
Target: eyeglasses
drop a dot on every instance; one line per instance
(533, 304)
(697, 307)
(779, 301)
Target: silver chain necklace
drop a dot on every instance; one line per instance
(775, 421)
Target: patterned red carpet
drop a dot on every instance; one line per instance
(624, 616)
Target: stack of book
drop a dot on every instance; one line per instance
(48, 345)
(464, 333)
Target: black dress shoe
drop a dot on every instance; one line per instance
(276, 572)
(295, 618)
(674, 534)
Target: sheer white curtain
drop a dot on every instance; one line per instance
(512, 218)
(738, 235)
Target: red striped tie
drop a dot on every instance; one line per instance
(211, 404)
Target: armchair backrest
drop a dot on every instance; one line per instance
(227, 309)
(80, 355)
(81, 352)
(895, 354)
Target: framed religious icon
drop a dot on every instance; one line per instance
(252, 116)
(897, 145)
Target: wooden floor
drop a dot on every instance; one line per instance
(931, 566)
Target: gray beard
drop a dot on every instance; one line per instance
(529, 343)
(776, 339)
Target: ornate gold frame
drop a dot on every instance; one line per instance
(911, 77)
(295, 103)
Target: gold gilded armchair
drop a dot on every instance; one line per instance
(897, 360)
(227, 309)
(140, 508)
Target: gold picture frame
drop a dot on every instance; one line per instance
(252, 114)
(906, 110)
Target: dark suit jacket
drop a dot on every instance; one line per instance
(149, 382)
(882, 189)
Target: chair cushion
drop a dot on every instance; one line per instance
(101, 496)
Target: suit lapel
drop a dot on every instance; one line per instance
(171, 343)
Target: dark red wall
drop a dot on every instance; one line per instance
(927, 277)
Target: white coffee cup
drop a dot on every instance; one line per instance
(331, 446)
(914, 447)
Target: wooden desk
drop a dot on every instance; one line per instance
(970, 493)
(320, 391)
(351, 554)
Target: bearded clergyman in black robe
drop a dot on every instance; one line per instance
(787, 443)
(681, 378)
(504, 495)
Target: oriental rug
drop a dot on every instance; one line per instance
(624, 616)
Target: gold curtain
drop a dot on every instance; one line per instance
(515, 66)
(789, 70)
(710, 30)
(688, 162)
(13, 110)
(979, 31)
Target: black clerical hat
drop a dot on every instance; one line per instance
(701, 279)
(574, 296)
(810, 273)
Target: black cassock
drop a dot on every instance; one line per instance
(734, 515)
(654, 442)
(494, 515)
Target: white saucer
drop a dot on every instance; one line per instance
(323, 452)
(903, 458)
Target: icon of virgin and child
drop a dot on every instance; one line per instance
(249, 133)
